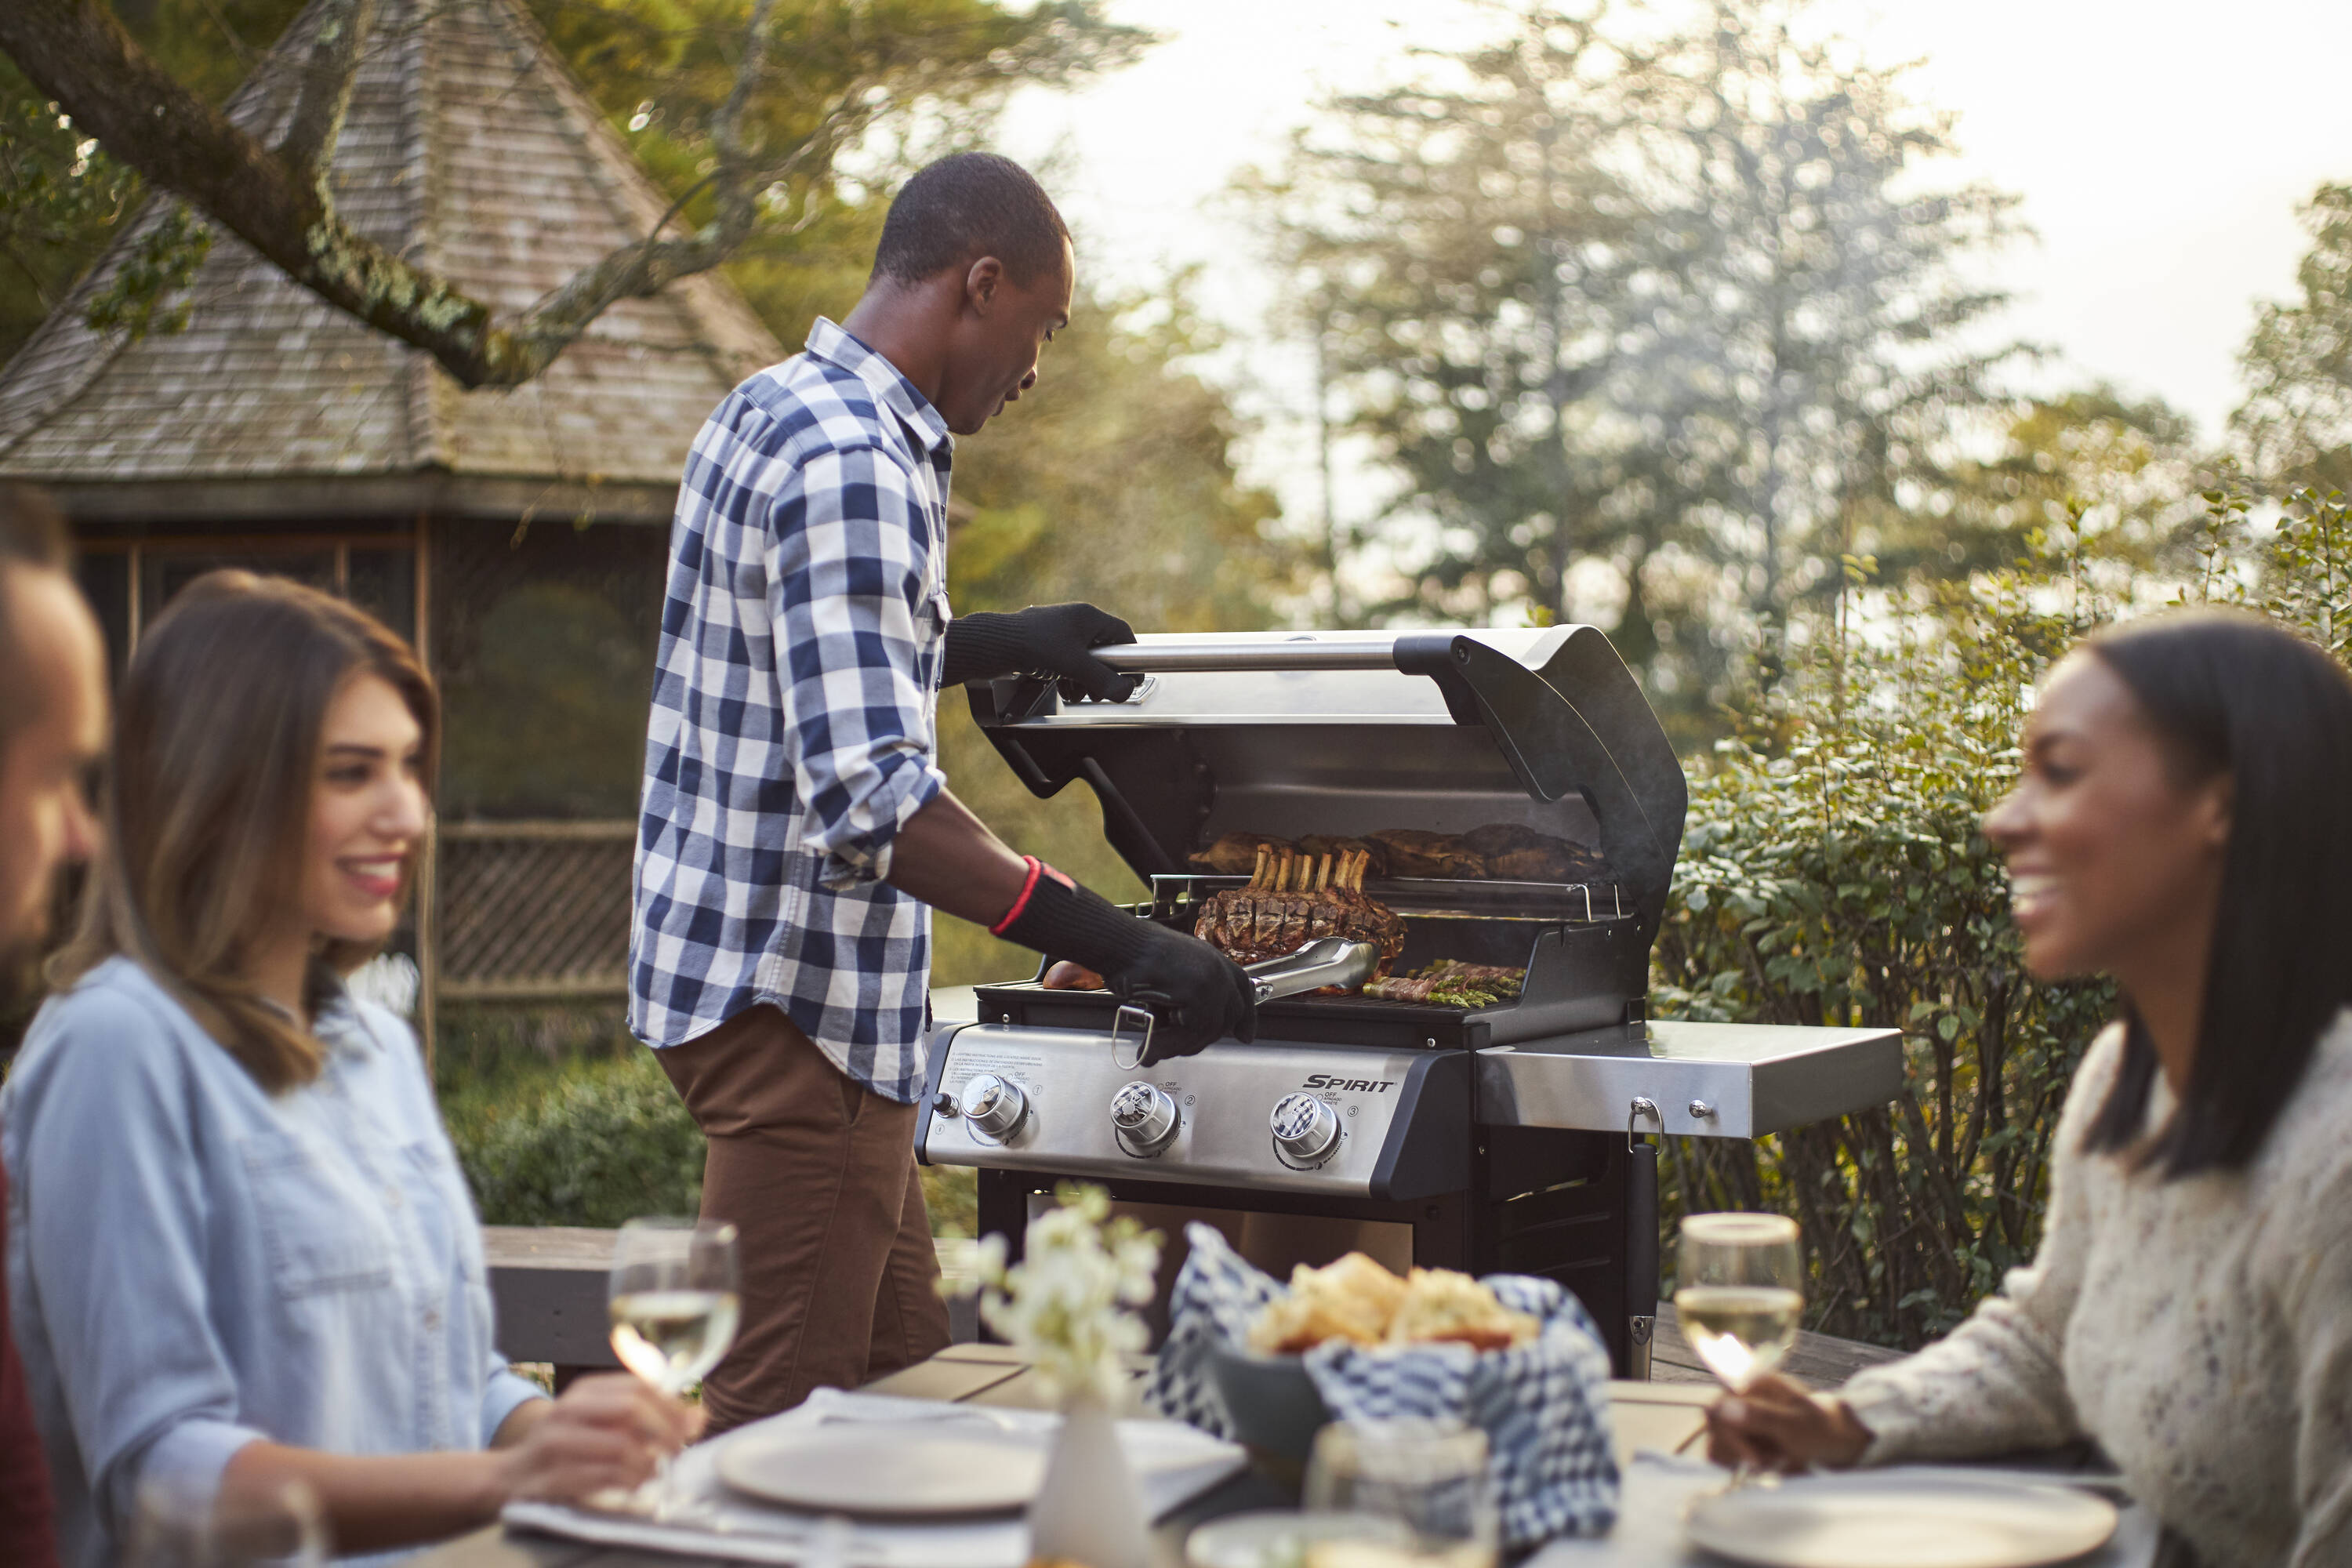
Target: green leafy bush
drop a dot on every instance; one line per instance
(589, 1141)
(1832, 873)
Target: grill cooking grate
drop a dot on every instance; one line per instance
(1574, 963)
(1178, 898)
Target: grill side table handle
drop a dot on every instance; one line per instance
(1641, 1242)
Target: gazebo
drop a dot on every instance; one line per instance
(516, 534)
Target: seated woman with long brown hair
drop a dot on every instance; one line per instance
(242, 1254)
(2183, 824)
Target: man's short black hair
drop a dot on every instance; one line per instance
(964, 207)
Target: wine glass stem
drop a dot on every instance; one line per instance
(669, 1501)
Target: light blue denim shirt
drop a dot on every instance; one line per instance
(195, 1264)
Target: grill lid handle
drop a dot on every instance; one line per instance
(1328, 960)
(1298, 653)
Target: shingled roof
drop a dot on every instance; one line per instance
(468, 147)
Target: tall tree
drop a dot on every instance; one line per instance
(2297, 416)
(1458, 248)
(1816, 321)
(756, 102)
(1672, 311)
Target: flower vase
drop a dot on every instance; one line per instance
(1089, 1511)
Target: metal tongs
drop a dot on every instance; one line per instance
(1327, 961)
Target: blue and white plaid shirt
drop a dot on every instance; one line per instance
(794, 716)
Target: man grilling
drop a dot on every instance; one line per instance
(796, 830)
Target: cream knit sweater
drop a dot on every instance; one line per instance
(2200, 1331)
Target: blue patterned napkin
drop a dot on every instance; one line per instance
(1544, 1405)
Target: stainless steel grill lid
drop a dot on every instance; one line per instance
(1347, 733)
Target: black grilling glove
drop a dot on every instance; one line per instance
(1044, 639)
(1198, 995)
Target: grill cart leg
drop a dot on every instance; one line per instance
(1641, 1257)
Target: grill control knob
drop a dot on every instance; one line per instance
(993, 1107)
(1305, 1129)
(1144, 1118)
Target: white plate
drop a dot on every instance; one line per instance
(885, 1471)
(1913, 1521)
(1266, 1536)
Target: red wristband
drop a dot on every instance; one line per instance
(1028, 887)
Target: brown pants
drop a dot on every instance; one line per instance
(818, 1175)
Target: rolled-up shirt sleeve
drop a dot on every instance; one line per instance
(846, 540)
(503, 1393)
(116, 1244)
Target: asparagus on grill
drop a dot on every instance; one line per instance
(1292, 899)
(1450, 982)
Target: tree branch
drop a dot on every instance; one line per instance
(75, 52)
(279, 202)
(327, 74)
(555, 320)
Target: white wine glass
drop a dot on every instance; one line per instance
(1413, 1494)
(675, 1307)
(1738, 1294)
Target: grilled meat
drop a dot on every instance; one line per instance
(1515, 854)
(1412, 853)
(1234, 854)
(1376, 856)
(1499, 851)
(1292, 899)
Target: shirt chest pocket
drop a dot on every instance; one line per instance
(443, 1210)
(319, 1224)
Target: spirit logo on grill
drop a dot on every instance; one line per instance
(1349, 1085)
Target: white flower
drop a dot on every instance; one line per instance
(1068, 1304)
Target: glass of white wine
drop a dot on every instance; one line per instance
(675, 1309)
(1739, 1292)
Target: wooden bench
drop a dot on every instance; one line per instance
(548, 1283)
(1820, 1360)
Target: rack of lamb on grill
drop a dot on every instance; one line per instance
(1292, 899)
(1496, 852)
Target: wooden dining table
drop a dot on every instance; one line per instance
(1648, 1420)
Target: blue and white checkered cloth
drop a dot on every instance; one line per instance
(795, 715)
(1544, 1405)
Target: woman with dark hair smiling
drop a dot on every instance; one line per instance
(242, 1254)
(2183, 824)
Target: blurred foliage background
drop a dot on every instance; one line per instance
(1832, 873)
(1674, 331)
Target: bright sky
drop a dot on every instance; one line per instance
(2161, 148)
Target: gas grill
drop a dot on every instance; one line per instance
(1513, 1136)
